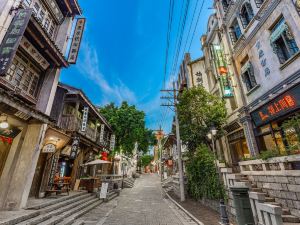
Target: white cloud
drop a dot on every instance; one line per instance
(89, 66)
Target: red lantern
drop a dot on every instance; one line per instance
(104, 156)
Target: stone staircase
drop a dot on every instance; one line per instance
(128, 182)
(264, 207)
(62, 211)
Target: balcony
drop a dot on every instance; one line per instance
(72, 123)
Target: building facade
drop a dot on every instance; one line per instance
(265, 50)
(34, 38)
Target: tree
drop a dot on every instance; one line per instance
(198, 111)
(145, 160)
(128, 124)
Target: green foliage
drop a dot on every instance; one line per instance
(198, 111)
(128, 124)
(145, 160)
(265, 155)
(291, 128)
(203, 179)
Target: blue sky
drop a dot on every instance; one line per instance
(122, 55)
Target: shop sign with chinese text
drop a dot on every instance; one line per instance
(283, 104)
(76, 41)
(74, 148)
(49, 148)
(84, 118)
(112, 142)
(34, 53)
(12, 39)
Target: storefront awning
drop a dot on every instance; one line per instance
(96, 162)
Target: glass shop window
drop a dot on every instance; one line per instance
(282, 41)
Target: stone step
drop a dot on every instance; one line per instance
(20, 218)
(46, 216)
(55, 201)
(286, 211)
(290, 219)
(71, 219)
(59, 218)
(65, 203)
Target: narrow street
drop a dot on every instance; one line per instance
(144, 204)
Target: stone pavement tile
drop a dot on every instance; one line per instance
(144, 204)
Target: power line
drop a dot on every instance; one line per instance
(201, 8)
(194, 13)
(181, 36)
(170, 21)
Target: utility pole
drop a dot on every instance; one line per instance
(173, 106)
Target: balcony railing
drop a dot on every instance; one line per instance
(72, 123)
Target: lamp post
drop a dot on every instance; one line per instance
(223, 212)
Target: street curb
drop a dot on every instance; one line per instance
(183, 209)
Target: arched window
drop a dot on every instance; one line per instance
(235, 31)
(246, 14)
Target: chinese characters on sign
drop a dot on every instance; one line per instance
(49, 148)
(76, 41)
(54, 163)
(223, 72)
(263, 59)
(33, 52)
(84, 119)
(74, 148)
(101, 138)
(12, 38)
(112, 142)
(281, 105)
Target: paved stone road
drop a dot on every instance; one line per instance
(144, 204)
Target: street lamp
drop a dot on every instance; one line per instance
(224, 217)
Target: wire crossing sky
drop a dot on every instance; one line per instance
(131, 47)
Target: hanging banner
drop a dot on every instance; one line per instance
(12, 39)
(10, 132)
(54, 163)
(74, 148)
(84, 118)
(112, 142)
(76, 41)
(101, 137)
(223, 72)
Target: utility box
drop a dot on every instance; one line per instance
(242, 206)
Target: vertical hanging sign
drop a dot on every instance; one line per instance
(84, 119)
(53, 168)
(112, 142)
(12, 38)
(223, 72)
(76, 41)
(101, 138)
(74, 148)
